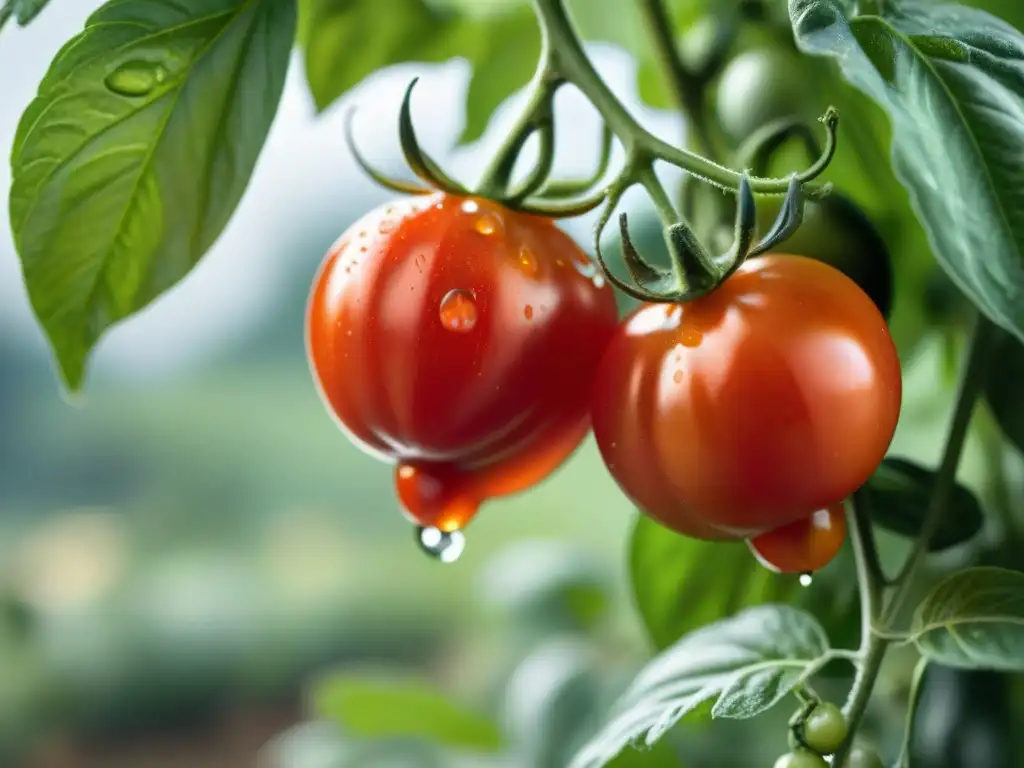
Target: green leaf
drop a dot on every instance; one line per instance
(347, 40)
(974, 620)
(132, 157)
(952, 82)
(1004, 392)
(747, 662)
(680, 584)
(899, 494)
(386, 706)
(23, 11)
(662, 755)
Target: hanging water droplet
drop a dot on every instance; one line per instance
(677, 377)
(458, 310)
(421, 261)
(489, 224)
(528, 312)
(527, 261)
(444, 546)
(599, 281)
(470, 206)
(387, 226)
(806, 579)
(135, 78)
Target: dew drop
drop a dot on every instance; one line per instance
(421, 261)
(362, 249)
(458, 310)
(528, 262)
(489, 224)
(528, 312)
(387, 226)
(470, 206)
(677, 377)
(806, 579)
(599, 281)
(559, 262)
(441, 545)
(135, 78)
(585, 267)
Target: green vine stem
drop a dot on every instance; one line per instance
(687, 87)
(903, 761)
(876, 630)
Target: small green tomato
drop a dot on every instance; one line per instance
(825, 728)
(801, 758)
(863, 756)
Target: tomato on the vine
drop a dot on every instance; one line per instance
(801, 758)
(824, 729)
(458, 340)
(804, 546)
(756, 87)
(773, 396)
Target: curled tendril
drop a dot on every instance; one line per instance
(561, 189)
(395, 185)
(419, 161)
(757, 150)
(831, 122)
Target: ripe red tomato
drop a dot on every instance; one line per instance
(458, 340)
(806, 546)
(773, 396)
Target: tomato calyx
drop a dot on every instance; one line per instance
(695, 271)
(536, 194)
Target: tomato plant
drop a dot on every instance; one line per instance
(459, 340)
(772, 397)
(803, 546)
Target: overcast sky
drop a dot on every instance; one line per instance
(304, 172)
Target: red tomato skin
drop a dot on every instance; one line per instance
(458, 340)
(774, 396)
(806, 546)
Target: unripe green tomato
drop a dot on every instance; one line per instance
(756, 87)
(863, 756)
(801, 758)
(836, 231)
(697, 44)
(825, 728)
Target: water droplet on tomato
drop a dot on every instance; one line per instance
(362, 249)
(446, 546)
(458, 310)
(135, 78)
(690, 337)
(559, 262)
(585, 267)
(470, 206)
(421, 261)
(527, 261)
(806, 579)
(677, 377)
(528, 312)
(489, 224)
(387, 226)
(599, 281)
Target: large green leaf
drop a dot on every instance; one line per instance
(389, 706)
(952, 82)
(347, 40)
(747, 663)
(974, 619)
(680, 584)
(899, 494)
(132, 157)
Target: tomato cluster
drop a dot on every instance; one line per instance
(473, 347)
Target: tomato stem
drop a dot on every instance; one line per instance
(688, 87)
(874, 644)
(903, 761)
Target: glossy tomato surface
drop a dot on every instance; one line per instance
(806, 546)
(772, 397)
(459, 340)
